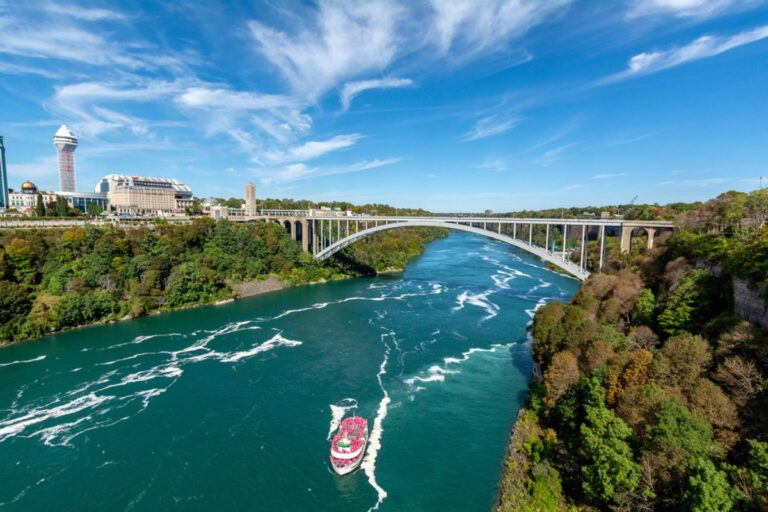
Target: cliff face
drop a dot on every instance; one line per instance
(749, 303)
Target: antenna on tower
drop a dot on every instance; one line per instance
(761, 182)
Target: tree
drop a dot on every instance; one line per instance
(691, 303)
(756, 207)
(643, 337)
(709, 401)
(677, 438)
(94, 209)
(644, 307)
(740, 377)
(708, 489)
(560, 375)
(609, 466)
(638, 406)
(62, 208)
(39, 206)
(681, 361)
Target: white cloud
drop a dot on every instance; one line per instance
(489, 126)
(313, 149)
(348, 40)
(686, 8)
(468, 27)
(227, 99)
(706, 46)
(352, 89)
(82, 13)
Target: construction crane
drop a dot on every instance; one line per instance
(618, 209)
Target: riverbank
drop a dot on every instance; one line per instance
(55, 280)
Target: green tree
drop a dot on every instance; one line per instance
(62, 208)
(609, 467)
(691, 303)
(708, 489)
(190, 284)
(39, 206)
(644, 307)
(677, 438)
(94, 209)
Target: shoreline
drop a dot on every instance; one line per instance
(272, 287)
(252, 288)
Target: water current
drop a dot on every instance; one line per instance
(231, 407)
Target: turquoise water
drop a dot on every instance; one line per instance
(230, 407)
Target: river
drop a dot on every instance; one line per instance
(230, 407)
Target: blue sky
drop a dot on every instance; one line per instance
(448, 105)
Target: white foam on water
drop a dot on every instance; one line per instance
(532, 311)
(478, 300)
(338, 411)
(275, 341)
(14, 426)
(25, 361)
(374, 441)
(434, 373)
(141, 339)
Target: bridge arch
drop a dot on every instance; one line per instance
(556, 259)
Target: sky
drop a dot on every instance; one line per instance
(449, 105)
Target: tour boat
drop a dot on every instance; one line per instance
(348, 445)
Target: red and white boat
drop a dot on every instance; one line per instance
(348, 445)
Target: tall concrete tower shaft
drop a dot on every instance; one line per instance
(66, 143)
(3, 177)
(250, 200)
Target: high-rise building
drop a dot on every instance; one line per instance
(66, 143)
(250, 200)
(3, 177)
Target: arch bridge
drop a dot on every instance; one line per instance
(562, 242)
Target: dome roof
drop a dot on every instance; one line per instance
(28, 185)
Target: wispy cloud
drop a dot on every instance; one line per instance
(345, 40)
(300, 171)
(687, 8)
(314, 149)
(551, 156)
(81, 12)
(466, 28)
(352, 89)
(494, 164)
(624, 140)
(489, 126)
(706, 46)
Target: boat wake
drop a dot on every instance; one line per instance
(338, 411)
(374, 441)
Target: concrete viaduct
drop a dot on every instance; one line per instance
(562, 242)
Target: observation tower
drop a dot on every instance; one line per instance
(66, 143)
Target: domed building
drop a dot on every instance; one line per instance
(25, 199)
(28, 188)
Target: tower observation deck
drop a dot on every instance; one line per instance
(66, 143)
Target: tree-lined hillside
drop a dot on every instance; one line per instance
(654, 392)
